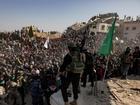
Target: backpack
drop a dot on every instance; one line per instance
(77, 65)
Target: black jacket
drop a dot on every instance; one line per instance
(66, 62)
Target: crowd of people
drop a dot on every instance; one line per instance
(21, 55)
(27, 66)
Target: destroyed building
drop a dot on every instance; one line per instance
(94, 30)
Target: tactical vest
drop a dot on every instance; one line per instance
(77, 64)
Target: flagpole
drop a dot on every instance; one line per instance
(106, 68)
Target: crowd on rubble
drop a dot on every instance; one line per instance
(23, 58)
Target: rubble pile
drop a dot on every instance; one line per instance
(125, 92)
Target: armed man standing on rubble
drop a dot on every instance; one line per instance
(71, 70)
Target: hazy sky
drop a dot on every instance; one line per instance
(59, 14)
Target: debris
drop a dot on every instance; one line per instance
(129, 94)
(135, 89)
(115, 96)
(102, 92)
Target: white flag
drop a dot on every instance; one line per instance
(46, 45)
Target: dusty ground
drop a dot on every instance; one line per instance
(109, 92)
(125, 92)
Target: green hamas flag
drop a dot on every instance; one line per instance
(106, 46)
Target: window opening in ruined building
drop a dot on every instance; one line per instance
(134, 28)
(103, 27)
(94, 26)
(127, 28)
(109, 27)
(125, 33)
